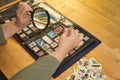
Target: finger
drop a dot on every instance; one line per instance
(20, 10)
(29, 13)
(65, 32)
(27, 6)
(23, 9)
(76, 33)
(80, 36)
(20, 4)
(81, 43)
(71, 31)
(27, 18)
(25, 12)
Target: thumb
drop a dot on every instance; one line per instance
(65, 32)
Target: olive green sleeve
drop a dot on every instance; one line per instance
(42, 69)
(2, 38)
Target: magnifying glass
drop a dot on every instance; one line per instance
(40, 18)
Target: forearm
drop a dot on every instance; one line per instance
(9, 29)
(42, 69)
(22, 19)
(59, 54)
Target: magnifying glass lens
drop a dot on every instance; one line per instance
(40, 18)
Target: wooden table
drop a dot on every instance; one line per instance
(10, 3)
(99, 17)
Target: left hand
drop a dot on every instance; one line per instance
(23, 15)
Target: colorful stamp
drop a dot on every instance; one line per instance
(54, 44)
(52, 34)
(23, 35)
(40, 53)
(57, 39)
(47, 39)
(58, 30)
(25, 29)
(40, 42)
(28, 32)
(45, 46)
(32, 44)
(36, 49)
(86, 38)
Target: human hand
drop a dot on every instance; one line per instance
(23, 15)
(70, 39)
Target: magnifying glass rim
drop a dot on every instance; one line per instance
(32, 17)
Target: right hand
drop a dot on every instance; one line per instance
(70, 39)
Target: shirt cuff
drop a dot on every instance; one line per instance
(2, 38)
(51, 58)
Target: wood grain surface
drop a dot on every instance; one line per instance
(99, 17)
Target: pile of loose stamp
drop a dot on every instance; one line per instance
(87, 70)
